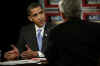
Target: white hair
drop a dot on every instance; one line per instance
(70, 8)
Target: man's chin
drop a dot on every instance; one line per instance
(41, 25)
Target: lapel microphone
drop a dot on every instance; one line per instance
(46, 35)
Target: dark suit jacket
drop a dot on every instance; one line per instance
(74, 44)
(28, 36)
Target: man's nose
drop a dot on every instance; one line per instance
(39, 16)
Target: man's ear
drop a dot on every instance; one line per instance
(62, 14)
(30, 18)
(65, 19)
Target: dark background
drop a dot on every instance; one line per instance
(13, 17)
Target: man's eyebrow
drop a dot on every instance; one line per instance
(41, 11)
(35, 14)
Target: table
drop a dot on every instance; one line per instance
(30, 62)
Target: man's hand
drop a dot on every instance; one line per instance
(13, 54)
(29, 54)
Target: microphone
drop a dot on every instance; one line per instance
(46, 35)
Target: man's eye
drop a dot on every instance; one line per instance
(40, 12)
(34, 15)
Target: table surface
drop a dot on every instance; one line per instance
(30, 62)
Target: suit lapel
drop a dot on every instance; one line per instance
(34, 45)
(44, 42)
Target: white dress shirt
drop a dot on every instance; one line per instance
(42, 28)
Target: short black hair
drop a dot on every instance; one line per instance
(32, 6)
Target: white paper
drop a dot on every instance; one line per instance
(19, 62)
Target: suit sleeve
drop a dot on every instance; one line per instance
(21, 43)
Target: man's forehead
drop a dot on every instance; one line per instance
(37, 9)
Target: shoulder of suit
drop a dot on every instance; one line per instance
(29, 26)
(64, 26)
(49, 25)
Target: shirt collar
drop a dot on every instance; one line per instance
(42, 28)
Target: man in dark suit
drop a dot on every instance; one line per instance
(74, 42)
(33, 36)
